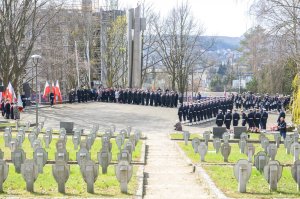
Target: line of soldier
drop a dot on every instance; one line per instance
(203, 109)
(127, 96)
(256, 119)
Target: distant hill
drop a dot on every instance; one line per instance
(223, 42)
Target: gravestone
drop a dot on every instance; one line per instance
(14, 144)
(63, 137)
(30, 173)
(7, 136)
(250, 151)
(296, 173)
(18, 157)
(27, 126)
(277, 138)
(242, 172)
(123, 171)
(125, 155)
(195, 144)
(31, 137)
(119, 141)
(113, 128)
(36, 130)
(129, 147)
(296, 137)
(218, 132)
(238, 130)
(295, 150)
(261, 137)
(242, 145)
(138, 134)
(226, 137)
(206, 136)
(287, 144)
(272, 151)
(104, 159)
(261, 160)
(1, 154)
(89, 141)
(41, 125)
(265, 144)
(82, 155)
(217, 144)
(202, 150)
(123, 132)
(89, 171)
(47, 139)
(40, 157)
(133, 141)
(60, 144)
(128, 129)
(95, 127)
(243, 136)
(61, 173)
(106, 143)
(68, 126)
(76, 138)
(3, 173)
(21, 137)
(62, 155)
(186, 137)
(225, 151)
(37, 144)
(272, 173)
(108, 133)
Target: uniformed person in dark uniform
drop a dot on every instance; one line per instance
(180, 112)
(147, 97)
(235, 118)
(244, 118)
(250, 119)
(51, 96)
(264, 119)
(257, 118)
(190, 114)
(220, 119)
(228, 119)
(185, 112)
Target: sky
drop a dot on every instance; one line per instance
(219, 17)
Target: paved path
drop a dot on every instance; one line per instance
(167, 174)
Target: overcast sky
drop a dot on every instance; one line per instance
(220, 17)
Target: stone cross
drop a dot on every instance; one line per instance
(36, 130)
(61, 173)
(18, 157)
(296, 173)
(30, 173)
(265, 144)
(206, 136)
(217, 144)
(226, 137)
(225, 151)
(7, 137)
(261, 160)
(37, 144)
(106, 143)
(119, 141)
(242, 172)
(76, 139)
(125, 155)
(104, 159)
(89, 141)
(123, 132)
(295, 150)
(195, 144)
(272, 173)
(63, 137)
(242, 145)
(129, 146)
(32, 136)
(113, 128)
(128, 130)
(186, 137)
(14, 144)
(47, 139)
(62, 154)
(40, 157)
(82, 155)
(21, 137)
(287, 144)
(250, 151)
(60, 144)
(123, 172)
(3, 173)
(89, 171)
(277, 138)
(272, 151)
(202, 150)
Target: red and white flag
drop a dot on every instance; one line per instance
(10, 93)
(225, 94)
(57, 91)
(46, 90)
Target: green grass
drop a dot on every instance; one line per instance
(257, 186)
(46, 186)
(70, 148)
(235, 155)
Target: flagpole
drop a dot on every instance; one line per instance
(77, 68)
(88, 61)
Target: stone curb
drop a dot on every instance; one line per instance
(140, 173)
(202, 174)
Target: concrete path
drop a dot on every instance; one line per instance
(167, 174)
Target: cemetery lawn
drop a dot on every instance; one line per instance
(257, 186)
(70, 148)
(235, 155)
(45, 186)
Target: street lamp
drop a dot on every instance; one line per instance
(35, 60)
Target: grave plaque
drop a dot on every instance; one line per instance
(186, 137)
(217, 144)
(202, 150)
(218, 132)
(272, 173)
(89, 171)
(195, 144)
(238, 130)
(29, 172)
(225, 151)
(40, 157)
(61, 173)
(68, 126)
(261, 160)
(18, 157)
(123, 172)
(242, 172)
